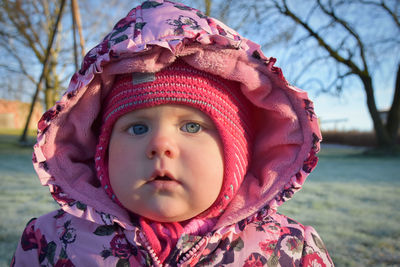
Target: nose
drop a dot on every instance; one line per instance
(162, 146)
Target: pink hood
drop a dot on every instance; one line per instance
(151, 37)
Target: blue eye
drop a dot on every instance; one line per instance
(138, 129)
(191, 127)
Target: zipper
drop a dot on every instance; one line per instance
(153, 255)
(157, 263)
(192, 252)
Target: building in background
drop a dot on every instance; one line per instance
(13, 114)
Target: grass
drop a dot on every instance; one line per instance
(350, 199)
(21, 195)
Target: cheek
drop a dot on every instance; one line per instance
(115, 165)
(215, 164)
(116, 157)
(122, 162)
(214, 157)
(122, 150)
(207, 167)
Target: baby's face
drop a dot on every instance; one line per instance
(166, 162)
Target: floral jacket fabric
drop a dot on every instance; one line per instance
(90, 229)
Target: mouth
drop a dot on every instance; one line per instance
(163, 176)
(163, 181)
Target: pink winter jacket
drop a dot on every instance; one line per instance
(90, 229)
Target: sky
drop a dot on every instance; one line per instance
(348, 110)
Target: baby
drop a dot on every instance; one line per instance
(173, 146)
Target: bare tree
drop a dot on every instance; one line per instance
(350, 40)
(25, 29)
(46, 62)
(354, 53)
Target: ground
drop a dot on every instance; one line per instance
(350, 199)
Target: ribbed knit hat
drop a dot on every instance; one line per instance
(180, 83)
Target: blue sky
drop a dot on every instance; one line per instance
(349, 109)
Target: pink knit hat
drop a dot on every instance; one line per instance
(180, 83)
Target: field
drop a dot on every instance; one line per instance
(353, 203)
(350, 199)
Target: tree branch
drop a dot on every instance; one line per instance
(349, 29)
(332, 52)
(21, 66)
(21, 27)
(306, 66)
(339, 78)
(383, 5)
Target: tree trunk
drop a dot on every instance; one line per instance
(77, 19)
(52, 84)
(208, 7)
(382, 136)
(74, 37)
(23, 139)
(48, 96)
(393, 120)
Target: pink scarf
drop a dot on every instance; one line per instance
(161, 236)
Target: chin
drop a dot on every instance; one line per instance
(167, 211)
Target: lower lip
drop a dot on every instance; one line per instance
(164, 185)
